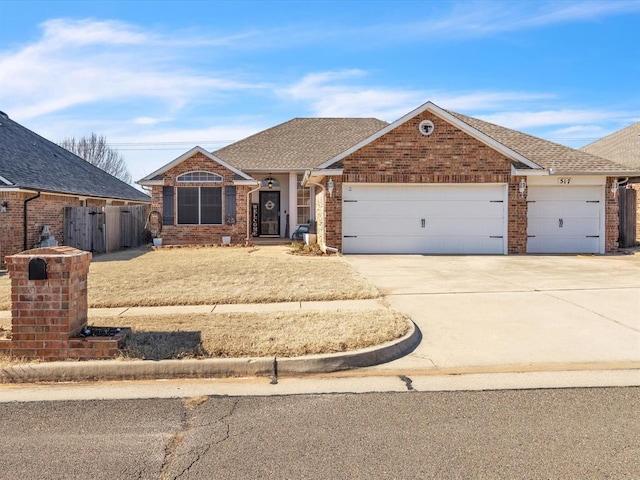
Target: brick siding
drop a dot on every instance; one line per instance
(201, 234)
(447, 156)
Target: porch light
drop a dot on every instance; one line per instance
(3, 206)
(270, 183)
(330, 187)
(522, 187)
(614, 187)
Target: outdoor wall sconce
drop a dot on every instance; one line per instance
(522, 187)
(3, 206)
(330, 187)
(614, 187)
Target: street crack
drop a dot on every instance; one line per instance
(227, 434)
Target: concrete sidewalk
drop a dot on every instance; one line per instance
(329, 306)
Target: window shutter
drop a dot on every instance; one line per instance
(230, 204)
(167, 205)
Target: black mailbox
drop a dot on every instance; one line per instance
(37, 269)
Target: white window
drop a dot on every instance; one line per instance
(304, 202)
(199, 177)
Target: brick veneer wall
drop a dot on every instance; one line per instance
(48, 209)
(201, 234)
(447, 156)
(47, 314)
(612, 221)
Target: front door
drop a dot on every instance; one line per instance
(270, 213)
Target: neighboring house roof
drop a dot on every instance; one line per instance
(622, 146)
(526, 151)
(155, 178)
(299, 144)
(32, 162)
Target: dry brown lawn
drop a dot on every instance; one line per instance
(192, 276)
(215, 275)
(283, 334)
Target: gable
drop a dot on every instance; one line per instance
(405, 151)
(201, 157)
(197, 163)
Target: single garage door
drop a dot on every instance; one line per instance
(563, 219)
(438, 219)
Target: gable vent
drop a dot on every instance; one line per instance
(426, 127)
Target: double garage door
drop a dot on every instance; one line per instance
(421, 219)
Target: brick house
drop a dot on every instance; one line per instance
(204, 196)
(38, 179)
(622, 147)
(434, 181)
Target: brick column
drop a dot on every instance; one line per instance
(46, 313)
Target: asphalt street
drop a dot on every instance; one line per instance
(560, 433)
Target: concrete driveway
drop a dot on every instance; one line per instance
(513, 313)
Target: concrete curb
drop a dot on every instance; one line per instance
(101, 370)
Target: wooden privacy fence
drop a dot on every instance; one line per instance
(105, 229)
(627, 216)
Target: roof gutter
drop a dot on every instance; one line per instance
(24, 224)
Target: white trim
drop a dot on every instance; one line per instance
(79, 196)
(246, 182)
(433, 108)
(187, 155)
(6, 181)
(219, 179)
(151, 183)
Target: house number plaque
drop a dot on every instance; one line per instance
(564, 180)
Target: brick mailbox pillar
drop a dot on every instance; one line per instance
(49, 306)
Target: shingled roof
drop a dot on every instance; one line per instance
(299, 144)
(543, 152)
(32, 162)
(622, 146)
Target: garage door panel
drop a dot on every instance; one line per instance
(565, 244)
(383, 226)
(463, 210)
(570, 227)
(392, 244)
(454, 227)
(564, 209)
(380, 209)
(464, 245)
(564, 193)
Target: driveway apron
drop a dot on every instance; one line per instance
(487, 313)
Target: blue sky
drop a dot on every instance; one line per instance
(157, 78)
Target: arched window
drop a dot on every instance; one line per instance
(199, 177)
(199, 205)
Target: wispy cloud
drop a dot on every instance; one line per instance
(79, 62)
(483, 18)
(347, 93)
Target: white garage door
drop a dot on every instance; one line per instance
(564, 219)
(456, 219)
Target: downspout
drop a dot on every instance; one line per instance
(323, 245)
(24, 225)
(248, 212)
